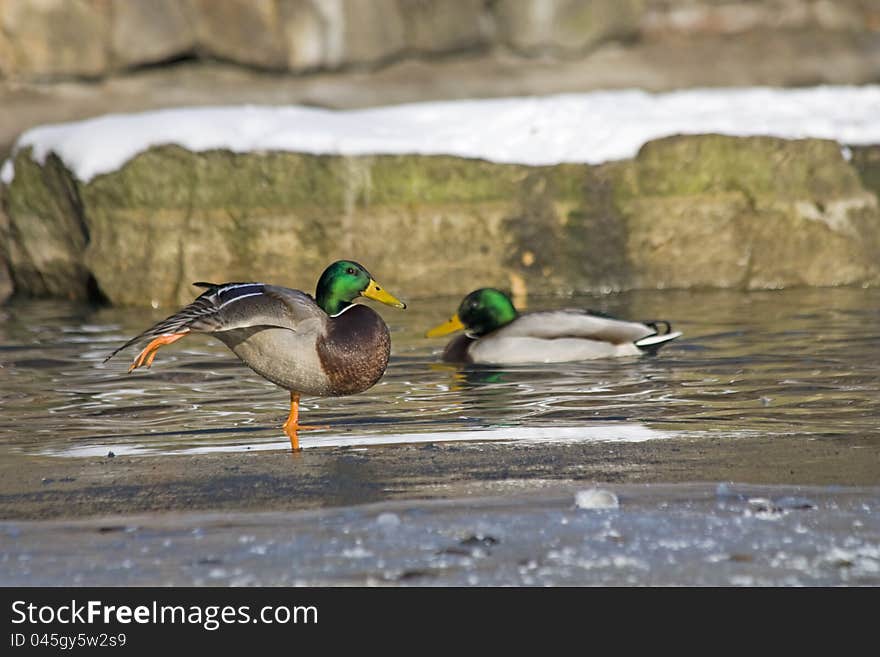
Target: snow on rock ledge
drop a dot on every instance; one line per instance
(585, 128)
(554, 194)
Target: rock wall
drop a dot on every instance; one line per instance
(6, 288)
(696, 211)
(47, 234)
(686, 212)
(64, 60)
(57, 39)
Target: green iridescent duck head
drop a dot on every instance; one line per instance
(344, 281)
(481, 312)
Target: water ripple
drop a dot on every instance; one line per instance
(781, 362)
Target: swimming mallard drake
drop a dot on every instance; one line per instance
(497, 333)
(326, 346)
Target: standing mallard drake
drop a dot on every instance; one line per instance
(326, 346)
(497, 334)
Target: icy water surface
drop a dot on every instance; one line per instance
(726, 535)
(801, 366)
(799, 362)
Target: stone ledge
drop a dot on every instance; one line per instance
(66, 39)
(696, 211)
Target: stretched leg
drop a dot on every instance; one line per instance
(145, 358)
(292, 425)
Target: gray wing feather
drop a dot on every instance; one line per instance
(269, 306)
(236, 306)
(555, 324)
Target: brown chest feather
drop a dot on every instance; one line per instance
(457, 350)
(354, 352)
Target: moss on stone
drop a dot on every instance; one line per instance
(46, 231)
(754, 212)
(6, 286)
(594, 236)
(707, 164)
(171, 177)
(417, 179)
(697, 211)
(866, 161)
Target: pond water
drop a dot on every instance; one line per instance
(798, 365)
(801, 362)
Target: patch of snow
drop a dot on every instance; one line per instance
(586, 128)
(596, 498)
(388, 520)
(7, 172)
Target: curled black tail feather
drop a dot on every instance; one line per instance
(657, 323)
(662, 334)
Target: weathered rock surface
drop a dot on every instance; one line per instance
(538, 26)
(438, 27)
(748, 212)
(698, 211)
(866, 160)
(66, 60)
(96, 38)
(144, 32)
(47, 233)
(54, 38)
(245, 31)
(6, 288)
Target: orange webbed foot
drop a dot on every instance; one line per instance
(146, 357)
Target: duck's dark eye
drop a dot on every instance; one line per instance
(350, 271)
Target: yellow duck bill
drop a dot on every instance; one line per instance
(376, 293)
(452, 325)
